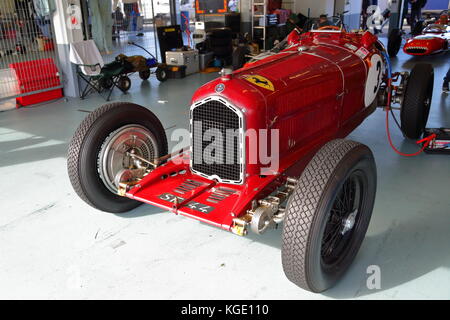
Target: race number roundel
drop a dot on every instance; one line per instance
(374, 78)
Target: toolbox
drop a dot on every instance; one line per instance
(441, 143)
(189, 58)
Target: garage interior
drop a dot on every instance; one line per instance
(55, 246)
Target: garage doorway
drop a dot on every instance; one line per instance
(131, 22)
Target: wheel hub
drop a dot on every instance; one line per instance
(349, 223)
(116, 153)
(342, 221)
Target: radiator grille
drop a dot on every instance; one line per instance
(223, 158)
(416, 50)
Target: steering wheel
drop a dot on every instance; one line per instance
(330, 28)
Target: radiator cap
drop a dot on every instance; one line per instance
(226, 73)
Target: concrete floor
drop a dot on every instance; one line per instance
(53, 245)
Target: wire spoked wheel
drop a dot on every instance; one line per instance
(342, 222)
(116, 153)
(328, 214)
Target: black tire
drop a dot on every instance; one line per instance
(313, 207)
(417, 100)
(84, 149)
(144, 75)
(161, 74)
(124, 83)
(239, 57)
(106, 83)
(394, 42)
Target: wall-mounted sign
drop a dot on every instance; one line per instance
(211, 6)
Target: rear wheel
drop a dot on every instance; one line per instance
(101, 148)
(394, 42)
(161, 74)
(328, 215)
(417, 101)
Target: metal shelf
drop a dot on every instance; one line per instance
(258, 15)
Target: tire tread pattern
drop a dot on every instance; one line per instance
(413, 117)
(303, 205)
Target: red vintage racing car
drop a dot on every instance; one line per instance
(434, 39)
(431, 36)
(300, 103)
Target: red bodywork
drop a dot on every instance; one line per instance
(320, 88)
(434, 40)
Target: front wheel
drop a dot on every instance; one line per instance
(106, 83)
(101, 149)
(144, 75)
(394, 42)
(328, 215)
(124, 83)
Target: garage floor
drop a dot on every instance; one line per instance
(53, 245)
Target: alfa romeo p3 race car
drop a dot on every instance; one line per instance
(320, 187)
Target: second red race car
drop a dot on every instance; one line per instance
(430, 37)
(435, 39)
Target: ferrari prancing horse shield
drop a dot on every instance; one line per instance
(260, 81)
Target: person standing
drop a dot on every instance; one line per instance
(102, 24)
(132, 9)
(416, 11)
(42, 15)
(364, 14)
(445, 86)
